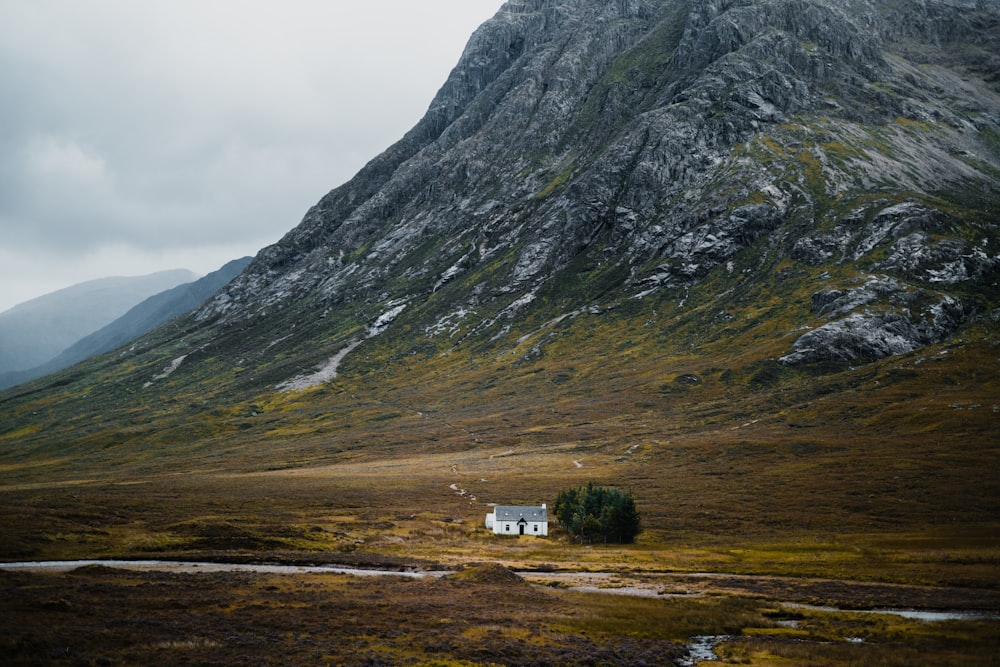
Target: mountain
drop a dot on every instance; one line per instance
(141, 318)
(618, 222)
(35, 331)
(589, 153)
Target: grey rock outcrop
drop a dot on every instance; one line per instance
(836, 302)
(870, 335)
(948, 261)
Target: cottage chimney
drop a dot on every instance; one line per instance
(543, 505)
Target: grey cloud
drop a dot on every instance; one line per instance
(182, 125)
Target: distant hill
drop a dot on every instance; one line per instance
(143, 317)
(35, 331)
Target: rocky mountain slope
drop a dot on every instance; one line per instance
(654, 143)
(609, 205)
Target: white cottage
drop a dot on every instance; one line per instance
(519, 520)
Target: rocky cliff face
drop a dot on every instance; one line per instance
(658, 143)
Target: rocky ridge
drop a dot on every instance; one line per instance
(662, 141)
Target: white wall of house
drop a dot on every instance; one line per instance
(537, 528)
(519, 520)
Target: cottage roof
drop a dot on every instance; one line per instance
(518, 512)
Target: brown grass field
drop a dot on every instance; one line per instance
(405, 512)
(865, 488)
(97, 615)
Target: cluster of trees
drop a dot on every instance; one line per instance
(595, 514)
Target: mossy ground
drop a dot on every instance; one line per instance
(725, 450)
(96, 615)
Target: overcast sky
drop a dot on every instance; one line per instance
(137, 136)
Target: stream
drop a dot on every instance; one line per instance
(193, 567)
(596, 582)
(702, 649)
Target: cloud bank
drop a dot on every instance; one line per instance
(139, 136)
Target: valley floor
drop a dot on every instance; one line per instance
(764, 591)
(758, 518)
(481, 615)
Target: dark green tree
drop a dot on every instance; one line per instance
(594, 514)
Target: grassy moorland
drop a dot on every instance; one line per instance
(319, 619)
(862, 488)
(96, 615)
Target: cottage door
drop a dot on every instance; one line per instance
(521, 525)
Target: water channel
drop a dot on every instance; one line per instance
(194, 567)
(595, 585)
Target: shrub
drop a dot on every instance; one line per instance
(595, 514)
